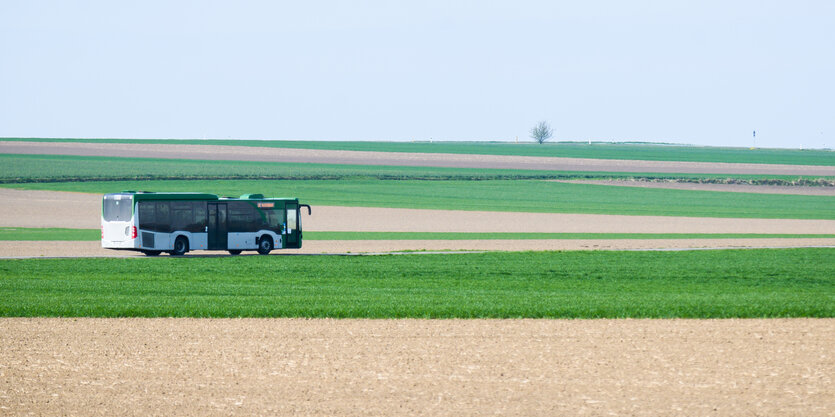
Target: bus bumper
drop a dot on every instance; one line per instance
(120, 244)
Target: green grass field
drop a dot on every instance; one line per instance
(639, 151)
(34, 234)
(701, 284)
(62, 168)
(493, 195)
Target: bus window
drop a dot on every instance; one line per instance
(243, 217)
(147, 220)
(273, 219)
(115, 210)
(199, 220)
(291, 219)
(221, 216)
(183, 215)
(163, 220)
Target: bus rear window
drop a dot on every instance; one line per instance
(117, 210)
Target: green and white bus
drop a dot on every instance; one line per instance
(176, 223)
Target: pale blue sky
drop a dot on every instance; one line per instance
(701, 72)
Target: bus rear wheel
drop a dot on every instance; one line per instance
(180, 246)
(151, 252)
(235, 251)
(265, 245)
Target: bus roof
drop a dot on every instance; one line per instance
(150, 195)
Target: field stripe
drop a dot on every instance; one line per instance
(24, 168)
(531, 196)
(588, 284)
(597, 150)
(243, 153)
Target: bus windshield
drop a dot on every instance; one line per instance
(117, 208)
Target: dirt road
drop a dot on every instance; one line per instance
(245, 153)
(416, 367)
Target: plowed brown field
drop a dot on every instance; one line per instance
(416, 367)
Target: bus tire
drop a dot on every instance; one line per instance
(265, 245)
(180, 246)
(235, 251)
(151, 252)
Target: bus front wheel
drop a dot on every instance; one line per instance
(151, 252)
(235, 251)
(265, 245)
(180, 246)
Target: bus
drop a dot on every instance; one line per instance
(156, 222)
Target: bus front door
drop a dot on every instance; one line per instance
(292, 232)
(218, 232)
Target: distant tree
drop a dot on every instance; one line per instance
(541, 132)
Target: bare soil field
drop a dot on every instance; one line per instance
(244, 153)
(733, 188)
(369, 219)
(31, 208)
(23, 208)
(416, 367)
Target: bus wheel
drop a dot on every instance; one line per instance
(151, 252)
(265, 245)
(235, 251)
(180, 246)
